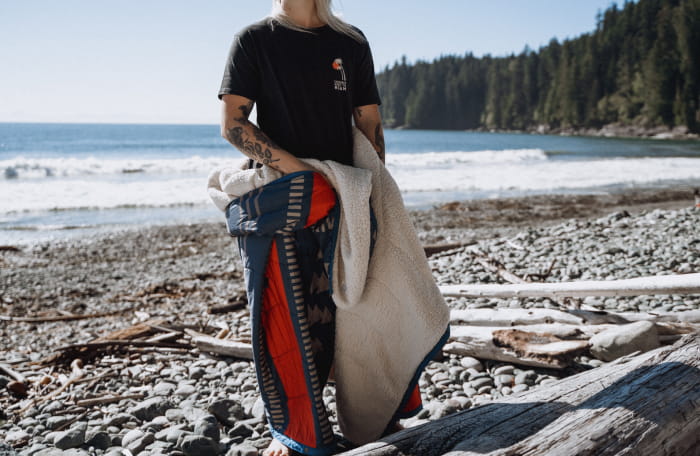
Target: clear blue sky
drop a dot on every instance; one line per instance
(160, 61)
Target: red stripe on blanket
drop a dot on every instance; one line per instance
(322, 200)
(281, 343)
(413, 402)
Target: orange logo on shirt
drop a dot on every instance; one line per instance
(340, 85)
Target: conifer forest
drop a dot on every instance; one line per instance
(640, 66)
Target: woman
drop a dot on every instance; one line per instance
(311, 75)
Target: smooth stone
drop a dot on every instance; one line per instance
(241, 430)
(242, 450)
(174, 415)
(73, 437)
(185, 390)
(75, 452)
(117, 451)
(151, 408)
(163, 388)
(174, 434)
(196, 372)
(17, 436)
(137, 440)
(526, 378)
(208, 427)
(258, 410)
(619, 341)
(192, 414)
(520, 388)
(156, 424)
(484, 389)
(468, 390)
(118, 420)
(480, 382)
(131, 436)
(56, 421)
(199, 445)
(505, 379)
(227, 411)
(98, 439)
(504, 370)
(31, 451)
(47, 452)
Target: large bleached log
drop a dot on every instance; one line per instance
(514, 346)
(512, 317)
(653, 285)
(643, 405)
(515, 317)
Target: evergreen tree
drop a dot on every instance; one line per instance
(641, 65)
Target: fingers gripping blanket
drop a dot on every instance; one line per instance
(390, 318)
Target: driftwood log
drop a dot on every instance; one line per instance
(642, 405)
(653, 285)
(518, 345)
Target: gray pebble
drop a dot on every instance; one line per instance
(118, 419)
(151, 408)
(227, 411)
(242, 450)
(504, 370)
(481, 382)
(208, 427)
(520, 387)
(137, 440)
(97, 439)
(73, 437)
(199, 445)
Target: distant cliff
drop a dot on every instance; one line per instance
(638, 71)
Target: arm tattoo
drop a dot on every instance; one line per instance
(245, 113)
(359, 112)
(379, 141)
(254, 149)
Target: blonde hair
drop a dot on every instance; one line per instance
(325, 14)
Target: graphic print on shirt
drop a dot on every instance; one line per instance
(342, 84)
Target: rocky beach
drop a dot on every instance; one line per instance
(158, 397)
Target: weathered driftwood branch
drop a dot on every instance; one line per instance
(76, 374)
(514, 317)
(514, 346)
(495, 266)
(90, 350)
(434, 249)
(643, 405)
(54, 318)
(653, 285)
(13, 374)
(108, 399)
(220, 346)
(146, 328)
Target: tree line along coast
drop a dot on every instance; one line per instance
(636, 74)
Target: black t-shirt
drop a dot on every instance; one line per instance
(305, 86)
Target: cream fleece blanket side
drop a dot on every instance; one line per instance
(390, 313)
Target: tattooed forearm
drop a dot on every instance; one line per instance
(252, 148)
(379, 142)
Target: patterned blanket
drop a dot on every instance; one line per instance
(317, 279)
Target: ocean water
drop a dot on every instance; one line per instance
(59, 180)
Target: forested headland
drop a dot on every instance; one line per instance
(639, 68)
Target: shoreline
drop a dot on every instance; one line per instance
(679, 133)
